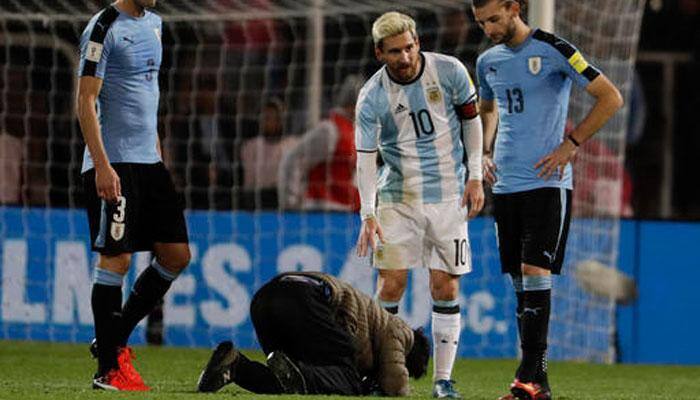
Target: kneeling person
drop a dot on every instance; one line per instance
(322, 336)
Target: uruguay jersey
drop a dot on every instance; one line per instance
(531, 85)
(125, 52)
(416, 130)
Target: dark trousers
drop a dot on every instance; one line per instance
(293, 315)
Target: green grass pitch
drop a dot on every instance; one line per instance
(36, 370)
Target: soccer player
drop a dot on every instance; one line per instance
(322, 336)
(130, 198)
(417, 111)
(525, 82)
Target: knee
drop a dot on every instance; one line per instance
(119, 263)
(392, 289)
(176, 259)
(445, 289)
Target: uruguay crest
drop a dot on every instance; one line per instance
(117, 231)
(534, 65)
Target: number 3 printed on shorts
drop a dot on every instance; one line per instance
(460, 252)
(121, 210)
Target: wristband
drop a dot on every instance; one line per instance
(574, 141)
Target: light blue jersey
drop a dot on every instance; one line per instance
(125, 52)
(416, 130)
(531, 85)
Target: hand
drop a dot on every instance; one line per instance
(556, 161)
(474, 197)
(368, 231)
(108, 184)
(489, 169)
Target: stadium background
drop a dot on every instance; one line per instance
(225, 60)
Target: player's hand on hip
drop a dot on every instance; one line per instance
(369, 232)
(107, 183)
(556, 161)
(489, 169)
(473, 197)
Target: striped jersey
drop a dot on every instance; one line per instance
(416, 129)
(531, 84)
(125, 52)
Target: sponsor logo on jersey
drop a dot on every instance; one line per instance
(400, 108)
(534, 64)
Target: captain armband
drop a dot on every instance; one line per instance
(468, 110)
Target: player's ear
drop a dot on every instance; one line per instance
(378, 53)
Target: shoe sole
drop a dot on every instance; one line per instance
(522, 394)
(224, 354)
(290, 377)
(103, 386)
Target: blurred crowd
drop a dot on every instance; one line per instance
(233, 113)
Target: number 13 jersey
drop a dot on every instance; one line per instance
(531, 84)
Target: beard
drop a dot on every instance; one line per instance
(508, 35)
(145, 3)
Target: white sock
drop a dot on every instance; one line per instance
(446, 329)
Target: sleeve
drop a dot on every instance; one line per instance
(393, 374)
(463, 86)
(366, 124)
(485, 91)
(571, 63)
(96, 43)
(473, 138)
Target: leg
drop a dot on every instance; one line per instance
(446, 322)
(447, 245)
(106, 307)
(150, 287)
(295, 318)
(227, 365)
(391, 284)
(545, 229)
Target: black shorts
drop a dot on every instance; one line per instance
(532, 228)
(149, 211)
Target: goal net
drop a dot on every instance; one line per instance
(241, 82)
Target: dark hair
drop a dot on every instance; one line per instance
(523, 4)
(417, 358)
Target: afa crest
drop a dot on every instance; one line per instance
(434, 94)
(534, 64)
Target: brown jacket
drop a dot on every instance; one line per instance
(382, 340)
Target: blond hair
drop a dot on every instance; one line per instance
(391, 24)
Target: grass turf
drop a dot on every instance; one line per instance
(36, 370)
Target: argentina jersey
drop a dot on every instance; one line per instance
(416, 130)
(531, 85)
(125, 53)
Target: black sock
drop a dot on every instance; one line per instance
(106, 307)
(519, 318)
(535, 325)
(254, 376)
(148, 290)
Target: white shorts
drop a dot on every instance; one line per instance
(424, 235)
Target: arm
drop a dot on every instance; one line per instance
(316, 146)
(106, 179)
(608, 101)
(472, 137)
(367, 186)
(366, 134)
(489, 118)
